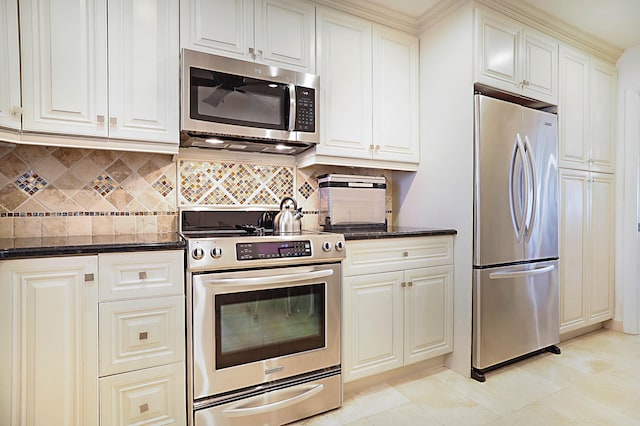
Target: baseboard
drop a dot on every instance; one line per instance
(425, 367)
(614, 325)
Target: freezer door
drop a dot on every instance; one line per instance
(540, 137)
(500, 182)
(515, 311)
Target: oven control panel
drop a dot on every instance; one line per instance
(205, 254)
(273, 249)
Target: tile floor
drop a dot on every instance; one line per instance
(596, 380)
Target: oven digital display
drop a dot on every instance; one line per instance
(273, 250)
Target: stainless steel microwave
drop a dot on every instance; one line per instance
(245, 106)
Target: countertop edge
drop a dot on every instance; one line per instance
(399, 233)
(89, 249)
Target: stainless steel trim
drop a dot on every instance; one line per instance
(532, 206)
(520, 274)
(273, 279)
(241, 409)
(292, 107)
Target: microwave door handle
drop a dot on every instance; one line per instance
(292, 107)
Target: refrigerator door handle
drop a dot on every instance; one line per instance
(520, 274)
(517, 203)
(533, 190)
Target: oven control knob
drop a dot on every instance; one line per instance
(216, 252)
(340, 245)
(326, 246)
(198, 253)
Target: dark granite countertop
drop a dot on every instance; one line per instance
(13, 248)
(394, 232)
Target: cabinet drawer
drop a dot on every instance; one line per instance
(141, 274)
(138, 334)
(393, 254)
(151, 396)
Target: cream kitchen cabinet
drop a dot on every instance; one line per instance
(10, 97)
(103, 69)
(142, 338)
(587, 234)
(48, 332)
(511, 57)
(397, 303)
(275, 32)
(369, 94)
(586, 112)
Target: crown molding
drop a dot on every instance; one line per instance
(554, 27)
(375, 13)
(438, 13)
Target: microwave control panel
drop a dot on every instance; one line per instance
(305, 109)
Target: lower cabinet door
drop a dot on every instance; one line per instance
(372, 324)
(150, 396)
(428, 313)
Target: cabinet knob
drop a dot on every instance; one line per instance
(142, 275)
(403, 284)
(88, 278)
(144, 408)
(378, 147)
(405, 254)
(143, 335)
(100, 119)
(371, 147)
(410, 284)
(113, 121)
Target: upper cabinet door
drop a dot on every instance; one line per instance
(573, 108)
(223, 27)
(603, 83)
(143, 70)
(540, 67)
(10, 101)
(345, 68)
(395, 96)
(64, 57)
(497, 51)
(285, 34)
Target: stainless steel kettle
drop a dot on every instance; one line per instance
(287, 221)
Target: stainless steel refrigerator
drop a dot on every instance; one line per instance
(515, 254)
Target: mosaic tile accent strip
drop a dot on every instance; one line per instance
(30, 182)
(224, 184)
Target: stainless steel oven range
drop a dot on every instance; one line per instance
(263, 319)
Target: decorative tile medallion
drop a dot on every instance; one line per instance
(30, 182)
(104, 184)
(163, 185)
(306, 190)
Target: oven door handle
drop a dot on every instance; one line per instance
(272, 279)
(247, 408)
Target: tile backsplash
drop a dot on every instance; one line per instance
(53, 191)
(68, 191)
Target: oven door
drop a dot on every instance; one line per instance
(257, 326)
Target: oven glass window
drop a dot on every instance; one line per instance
(243, 101)
(258, 325)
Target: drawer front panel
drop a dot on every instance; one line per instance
(141, 274)
(393, 254)
(151, 396)
(141, 333)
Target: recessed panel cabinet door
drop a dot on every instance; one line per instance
(344, 49)
(48, 336)
(603, 79)
(64, 58)
(372, 324)
(540, 67)
(144, 70)
(9, 65)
